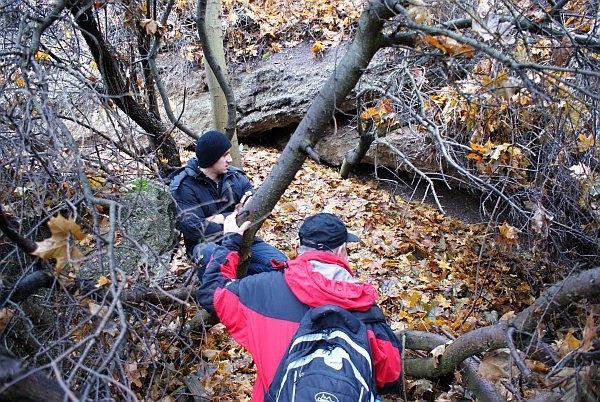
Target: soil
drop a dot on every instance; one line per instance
(458, 203)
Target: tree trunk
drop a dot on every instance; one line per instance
(26, 386)
(368, 40)
(221, 94)
(116, 87)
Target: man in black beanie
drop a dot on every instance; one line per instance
(205, 192)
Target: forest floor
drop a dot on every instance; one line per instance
(434, 272)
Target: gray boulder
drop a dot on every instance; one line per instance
(276, 93)
(147, 224)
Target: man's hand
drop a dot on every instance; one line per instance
(230, 225)
(245, 198)
(218, 218)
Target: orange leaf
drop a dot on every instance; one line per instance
(475, 157)
(508, 235)
(433, 41)
(449, 46)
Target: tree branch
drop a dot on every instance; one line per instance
(583, 285)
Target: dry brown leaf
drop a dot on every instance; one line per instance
(493, 365)
(134, 374)
(151, 27)
(420, 387)
(590, 333)
(96, 309)
(5, 316)
(60, 246)
(508, 235)
(421, 14)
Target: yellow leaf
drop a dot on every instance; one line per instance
(20, 82)
(318, 48)
(59, 246)
(39, 55)
(102, 281)
(584, 142)
(441, 301)
(569, 343)
(96, 181)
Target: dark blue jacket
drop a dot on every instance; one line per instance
(197, 197)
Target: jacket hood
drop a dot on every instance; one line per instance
(192, 163)
(319, 277)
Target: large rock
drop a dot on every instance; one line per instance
(147, 219)
(277, 92)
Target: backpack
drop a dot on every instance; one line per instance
(328, 359)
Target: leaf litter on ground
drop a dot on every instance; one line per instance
(433, 272)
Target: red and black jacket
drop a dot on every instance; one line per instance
(262, 312)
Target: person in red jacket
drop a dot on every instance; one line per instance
(262, 311)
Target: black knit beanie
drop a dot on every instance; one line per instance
(210, 147)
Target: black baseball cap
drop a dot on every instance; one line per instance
(324, 231)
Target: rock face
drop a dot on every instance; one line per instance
(276, 94)
(148, 224)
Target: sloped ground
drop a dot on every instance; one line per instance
(433, 272)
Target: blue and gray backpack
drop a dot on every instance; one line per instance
(328, 359)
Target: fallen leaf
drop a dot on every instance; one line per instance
(5, 316)
(585, 142)
(590, 333)
(420, 387)
(493, 365)
(96, 309)
(102, 281)
(317, 49)
(508, 235)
